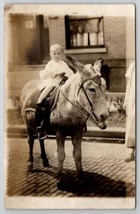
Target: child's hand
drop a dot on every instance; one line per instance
(60, 75)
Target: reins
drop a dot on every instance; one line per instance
(85, 113)
(80, 107)
(91, 106)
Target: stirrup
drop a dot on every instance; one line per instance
(42, 135)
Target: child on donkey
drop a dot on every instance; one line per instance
(52, 75)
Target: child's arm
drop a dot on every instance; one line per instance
(47, 72)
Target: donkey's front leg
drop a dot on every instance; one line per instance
(60, 153)
(76, 141)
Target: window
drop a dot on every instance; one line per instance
(84, 32)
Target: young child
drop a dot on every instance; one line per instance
(53, 73)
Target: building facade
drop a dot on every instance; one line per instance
(85, 38)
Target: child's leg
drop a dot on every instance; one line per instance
(39, 116)
(44, 93)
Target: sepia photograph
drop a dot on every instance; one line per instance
(69, 106)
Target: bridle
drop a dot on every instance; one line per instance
(87, 114)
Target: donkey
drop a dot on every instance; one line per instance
(82, 97)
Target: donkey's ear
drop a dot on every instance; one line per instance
(75, 63)
(69, 58)
(101, 60)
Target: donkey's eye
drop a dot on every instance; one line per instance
(91, 90)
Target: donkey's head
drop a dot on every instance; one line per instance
(91, 94)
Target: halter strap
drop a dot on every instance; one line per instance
(96, 79)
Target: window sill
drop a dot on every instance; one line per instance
(85, 50)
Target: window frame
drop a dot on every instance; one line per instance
(91, 48)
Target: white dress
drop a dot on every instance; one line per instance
(51, 74)
(130, 107)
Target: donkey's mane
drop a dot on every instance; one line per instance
(71, 80)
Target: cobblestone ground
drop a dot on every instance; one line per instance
(107, 175)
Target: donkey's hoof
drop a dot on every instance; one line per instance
(46, 163)
(81, 178)
(31, 160)
(60, 185)
(82, 181)
(60, 177)
(30, 167)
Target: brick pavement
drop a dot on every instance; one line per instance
(107, 175)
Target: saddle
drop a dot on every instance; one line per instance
(42, 113)
(51, 99)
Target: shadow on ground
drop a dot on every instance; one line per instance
(43, 182)
(95, 185)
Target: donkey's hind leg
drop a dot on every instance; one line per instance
(43, 154)
(30, 140)
(31, 144)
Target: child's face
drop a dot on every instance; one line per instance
(56, 54)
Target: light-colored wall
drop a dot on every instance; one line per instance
(130, 40)
(115, 37)
(57, 30)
